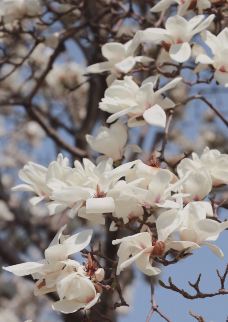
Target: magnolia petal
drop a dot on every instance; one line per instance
(144, 265)
(22, 187)
(99, 67)
(113, 51)
(55, 207)
(203, 25)
(126, 65)
(153, 35)
(207, 229)
(56, 253)
(24, 269)
(169, 86)
(162, 5)
(176, 24)
(35, 200)
(180, 52)
(67, 306)
(77, 242)
(155, 115)
(167, 223)
(128, 262)
(204, 59)
(119, 114)
(94, 218)
(100, 205)
(93, 302)
(181, 245)
(215, 249)
(221, 77)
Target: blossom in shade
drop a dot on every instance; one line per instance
(110, 141)
(18, 9)
(36, 176)
(142, 247)
(205, 171)
(120, 58)
(196, 229)
(218, 58)
(58, 273)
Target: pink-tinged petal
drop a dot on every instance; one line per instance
(155, 115)
(180, 52)
(24, 269)
(93, 302)
(100, 205)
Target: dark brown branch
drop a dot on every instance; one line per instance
(196, 286)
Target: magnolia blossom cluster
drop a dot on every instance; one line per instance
(77, 286)
(175, 204)
(18, 9)
(169, 211)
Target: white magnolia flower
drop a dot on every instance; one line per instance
(18, 9)
(196, 229)
(76, 292)
(177, 35)
(219, 49)
(210, 169)
(51, 273)
(85, 191)
(141, 104)
(137, 248)
(199, 182)
(120, 58)
(142, 247)
(183, 5)
(159, 192)
(34, 132)
(146, 174)
(127, 199)
(215, 163)
(5, 213)
(110, 141)
(66, 77)
(36, 176)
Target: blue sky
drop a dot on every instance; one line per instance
(173, 305)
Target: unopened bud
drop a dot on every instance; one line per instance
(99, 274)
